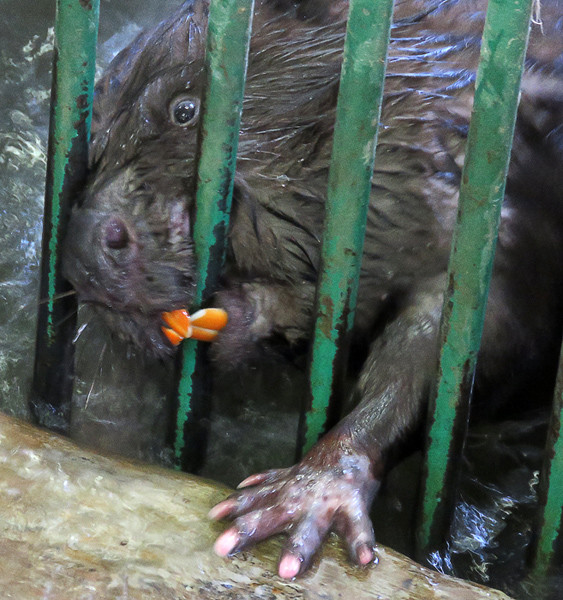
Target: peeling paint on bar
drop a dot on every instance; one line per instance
(226, 61)
(76, 33)
(549, 549)
(489, 143)
(355, 136)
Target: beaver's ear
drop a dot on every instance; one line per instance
(538, 140)
(540, 112)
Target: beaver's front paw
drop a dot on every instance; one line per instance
(236, 344)
(306, 501)
(266, 322)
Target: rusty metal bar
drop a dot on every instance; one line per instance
(76, 33)
(489, 143)
(549, 548)
(228, 40)
(349, 187)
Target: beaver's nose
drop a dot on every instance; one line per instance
(115, 233)
(96, 248)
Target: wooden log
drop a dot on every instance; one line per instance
(77, 525)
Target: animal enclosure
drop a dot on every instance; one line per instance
(483, 185)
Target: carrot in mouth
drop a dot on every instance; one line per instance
(203, 325)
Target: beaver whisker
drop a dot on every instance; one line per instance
(79, 332)
(68, 316)
(57, 297)
(96, 374)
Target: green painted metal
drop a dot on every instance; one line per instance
(228, 40)
(355, 137)
(76, 33)
(488, 148)
(549, 549)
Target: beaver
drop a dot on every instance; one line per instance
(130, 253)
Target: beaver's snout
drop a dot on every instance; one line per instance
(116, 235)
(100, 256)
(110, 260)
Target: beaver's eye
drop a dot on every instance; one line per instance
(184, 111)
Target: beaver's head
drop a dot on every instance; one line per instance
(129, 248)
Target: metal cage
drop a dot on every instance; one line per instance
(482, 190)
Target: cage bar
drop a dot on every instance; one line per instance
(355, 137)
(228, 40)
(489, 142)
(76, 33)
(549, 548)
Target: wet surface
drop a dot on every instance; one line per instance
(80, 525)
(121, 397)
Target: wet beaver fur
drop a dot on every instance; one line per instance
(130, 251)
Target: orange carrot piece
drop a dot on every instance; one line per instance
(210, 318)
(203, 335)
(173, 337)
(181, 325)
(178, 320)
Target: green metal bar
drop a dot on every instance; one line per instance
(228, 40)
(488, 148)
(76, 33)
(549, 549)
(349, 186)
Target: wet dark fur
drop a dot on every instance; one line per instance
(142, 173)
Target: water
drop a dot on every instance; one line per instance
(121, 398)
(25, 62)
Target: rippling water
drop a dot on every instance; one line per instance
(25, 62)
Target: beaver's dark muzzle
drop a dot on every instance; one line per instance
(101, 258)
(107, 258)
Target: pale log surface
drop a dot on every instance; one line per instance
(76, 525)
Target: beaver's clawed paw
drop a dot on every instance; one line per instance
(306, 502)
